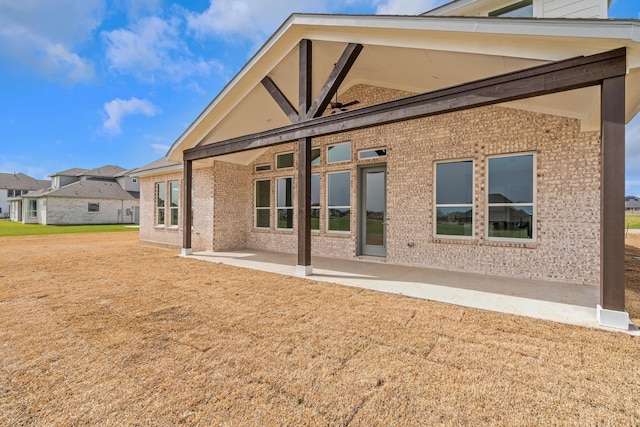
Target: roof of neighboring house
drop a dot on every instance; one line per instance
(88, 189)
(107, 171)
(126, 172)
(160, 165)
(20, 181)
(70, 172)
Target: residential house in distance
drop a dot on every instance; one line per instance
(632, 204)
(484, 136)
(14, 185)
(105, 195)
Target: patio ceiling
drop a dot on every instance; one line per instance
(411, 59)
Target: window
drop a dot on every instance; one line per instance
(315, 156)
(284, 160)
(372, 154)
(263, 203)
(10, 193)
(454, 198)
(339, 153)
(160, 198)
(521, 9)
(93, 207)
(134, 180)
(315, 202)
(510, 197)
(338, 201)
(33, 208)
(262, 168)
(174, 198)
(284, 203)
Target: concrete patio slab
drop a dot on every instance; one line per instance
(556, 301)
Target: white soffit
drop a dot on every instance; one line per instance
(416, 54)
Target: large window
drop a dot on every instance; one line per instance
(339, 153)
(338, 201)
(454, 198)
(160, 202)
(174, 198)
(33, 208)
(315, 202)
(284, 203)
(511, 197)
(263, 203)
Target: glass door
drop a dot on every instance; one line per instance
(373, 211)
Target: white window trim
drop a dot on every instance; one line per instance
(157, 208)
(284, 207)
(533, 204)
(281, 154)
(256, 208)
(435, 205)
(255, 169)
(327, 207)
(368, 150)
(32, 213)
(171, 208)
(339, 161)
(319, 148)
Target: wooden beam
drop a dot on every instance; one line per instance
(304, 157)
(541, 80)
(187, 182)
(280, 99)
(612, 195)
(335, 79)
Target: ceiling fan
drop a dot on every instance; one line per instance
(338, 106)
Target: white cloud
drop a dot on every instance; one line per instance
(152, 50)
(119, 108)
(8, 165)
(248, 19)
(43, 35)
(160, 148)
(407, 7)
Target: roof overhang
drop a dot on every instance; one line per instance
(417, 54)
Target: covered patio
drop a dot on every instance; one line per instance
(556, 301)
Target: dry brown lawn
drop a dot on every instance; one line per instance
(97, 329)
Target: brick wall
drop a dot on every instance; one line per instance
(567, 223)
(73, 210)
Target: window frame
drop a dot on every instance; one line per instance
(283, 208)
(319, 207)
(256, 208)
(328, 206)
(162, 208)
(436, 205)
(517, 5)
(293, 160)
(262, 167)
(89, 204)
(370, 150)
(328, 150)
(33, 212)
(175, 208)
(533, 203)
(319, 158)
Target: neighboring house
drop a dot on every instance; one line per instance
(14, 185)
(105, 195)
(464, 139)
(632, 203)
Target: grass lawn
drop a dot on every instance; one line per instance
(632, 221)
(10, 228)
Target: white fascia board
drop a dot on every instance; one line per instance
(400, 30)
(159, 171)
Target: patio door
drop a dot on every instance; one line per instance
(373, 211)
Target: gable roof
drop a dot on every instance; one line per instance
(70, 172)
(88, 189)
(20, 181)
(107, 171)
(416, 54)
(160, 165)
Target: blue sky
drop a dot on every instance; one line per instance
(94, 82)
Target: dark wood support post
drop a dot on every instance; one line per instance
(187, 183)
(612, 305)
(303, 267)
